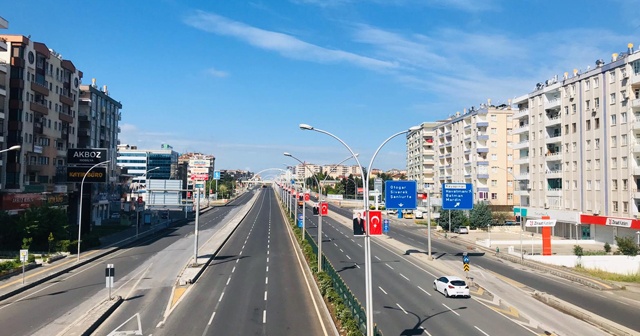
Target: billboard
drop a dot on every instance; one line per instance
(96, 175)
(86, 156)
(199, 163)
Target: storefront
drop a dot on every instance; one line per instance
(567, 222)
(605, 229)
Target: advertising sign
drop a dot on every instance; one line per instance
(199, 163)
(86, 156)
(540, 222)
(96, 175)
(359, 223)
(374, 217)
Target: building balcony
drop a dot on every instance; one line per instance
(520, 145)
(482, 163)
(554, 173)
(523, 176)
(634, 79)
(482, 124)
(553, 120)
(521, 113)
(522, 129)
(635, 104)
(552, 103)
(522, 160)
(38, 107)
(483, 176)
(553, 138)
(555, 156)
(482, 149)
(554, 192)
(483, 137)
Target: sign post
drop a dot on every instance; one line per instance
(465, 263)
(401, 195)
(457, 196)
(385, 225)
(24, 257)
(109, 273)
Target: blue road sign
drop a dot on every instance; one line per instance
(465, 259)
(385, 225)
(216, 174)
(300, 216)
(300, 222)
(293, 181)
(457, 196)
(401, 194)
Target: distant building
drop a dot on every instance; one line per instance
(421, 159)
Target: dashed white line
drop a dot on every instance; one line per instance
(265, 295)
(221, 295)
(237, 260)
(341, 251)
(359, 245)
(624, 303)
(377, 257)
(267, 259)
(453, 311)
(388, 266)
(425, 330)
(402, 275)
(264, 316)
(348, 256)
(228, 280)
(480, 330)
(211, 318)
(266, 280)
(382, 290)
(402, 308)
(234, 269)
(335, 244)
(424, 291)
(267, 269)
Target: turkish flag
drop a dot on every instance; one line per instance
(306, 196)
(324, 209)
(374, 218)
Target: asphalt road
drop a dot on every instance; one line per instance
(37, 308)
(582, 296)
(404, 302)
(254, 286)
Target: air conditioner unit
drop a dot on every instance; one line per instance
(596, 212)
(546, 205)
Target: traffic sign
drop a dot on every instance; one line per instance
(24, 255)
(400, 194)
(466, 267)
(385, 225)
(457, 196)
(216, 174)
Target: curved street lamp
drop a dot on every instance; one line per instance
(367, 237)
(16, 147)
(80, 207)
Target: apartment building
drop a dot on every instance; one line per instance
(475, 147)
(577, 148)
(4, 71)
(421, 161)
(340, 171)
(42, 118)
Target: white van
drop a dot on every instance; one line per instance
(420, 212)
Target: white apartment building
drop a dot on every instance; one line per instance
(421, 157)
(475, 147)
(577, 149)
(340, 171)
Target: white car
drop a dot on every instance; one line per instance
(451, 286)
(418, 214)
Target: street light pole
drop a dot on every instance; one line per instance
(80, 205)
(367, 237)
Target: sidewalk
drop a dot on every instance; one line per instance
(13, 285)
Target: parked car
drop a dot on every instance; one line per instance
(407, 214)
(418, 214)
(451, 286)
(392, 211)
(461, 230)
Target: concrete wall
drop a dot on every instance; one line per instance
(614, 264)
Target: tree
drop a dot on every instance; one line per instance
(458, 218)
(627, 246)
(480, 216)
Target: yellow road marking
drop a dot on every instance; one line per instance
(479, 292)
(509, 281)
(44, 270)
(177, 294)
(511, 311)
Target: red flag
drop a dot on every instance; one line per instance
(306, 196)
(324, 209)
(374, 217)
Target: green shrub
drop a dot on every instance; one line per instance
(577, 250)
(63, 245)
(627, 246)
(607, 247)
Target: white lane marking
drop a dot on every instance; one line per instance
(624, 303)
(234, 269)
(237, 260)
(265, 295)
(266, 280)
(377, 257)
(397, 304)
(453, 311)
(221, 295)
(402, 275)
(359, 245)
(211, 318)
(341, 251)
(382, 290)
(480, 330)
(425, 330)
(335, 244)
(267, 269)
(357, 266)
(267, 259)
(267, 251)
(228, 280)
(388, 266)
(424, 291)
(264, 316)
(348, 256)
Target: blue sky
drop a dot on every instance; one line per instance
(236, 78)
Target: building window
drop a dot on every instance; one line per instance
(588, 125)
(624, 162)
(612, 76)
(613, 119)
(597, 164)
(612, 98)
(596, 185)
(588, 167)
(587, 85)
(573, 127)
(494, 131)
(588, 184)
(574, 166)
(574, 147)
(624, 140)
(494, 157)
(623, 117)
(494, 196)
(615, 206)
(596, 82)
(625, 206)
(596, 123)
(614, 141)
(494, 183)
(625, 184)
(494, 144)
(575, 185)
(494, 117)
(587, 104)
(614, 163)
(573, 108)
(596, 102)
(614, 184)
(597, 143)
(509, 157)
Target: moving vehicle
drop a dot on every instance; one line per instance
(461, 230)
(451, 285)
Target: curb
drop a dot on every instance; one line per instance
(86, 325)
(581, 314)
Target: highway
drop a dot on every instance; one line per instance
(255, 286)
(48, 308)
(403, 296)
